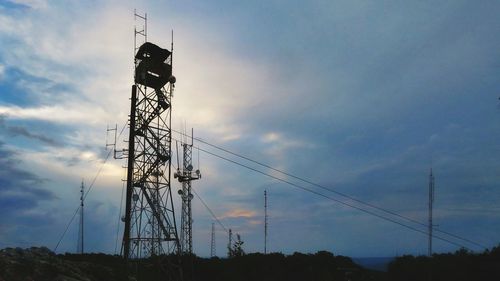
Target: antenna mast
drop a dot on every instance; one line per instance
(431, 201)
(212, 244)
(79, 247)
(265, 222)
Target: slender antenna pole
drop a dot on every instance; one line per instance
(265, 222)
(212, 244)
(83, 224)
(431, 201)
(172, 50)
(79, 248)
(177, 148)
(107, 130)
(114, 147)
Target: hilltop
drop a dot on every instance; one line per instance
(41, 264)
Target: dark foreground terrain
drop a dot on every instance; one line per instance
(459, 266)
(40, 264)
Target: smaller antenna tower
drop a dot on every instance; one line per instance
(79, 247)
(185, 177)
(431, 202)
(265, 222)
(212, 244)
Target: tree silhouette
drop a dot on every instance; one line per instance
(237, 250)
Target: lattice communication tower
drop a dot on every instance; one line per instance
(150, 227)
(212, 242)
(185, 177)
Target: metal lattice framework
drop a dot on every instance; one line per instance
(185, 177)
(150, 227)
(212, 242)
(186, 218)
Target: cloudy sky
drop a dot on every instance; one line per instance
(362, 97)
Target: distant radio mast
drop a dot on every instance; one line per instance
(79, 247)
(212, 244)
(431, 201)
(265, 222)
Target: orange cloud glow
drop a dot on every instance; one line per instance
(239, 213)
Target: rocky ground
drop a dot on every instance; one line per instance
(41, 264)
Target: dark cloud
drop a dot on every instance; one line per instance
(20, 190)
(13, 6)
(24, 89)
(21, 197)
(70, 162)
(21, 131)
(15, 131)
(32, 214)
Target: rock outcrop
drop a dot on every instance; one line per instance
(41, 264)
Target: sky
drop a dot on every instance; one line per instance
(362, 97)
